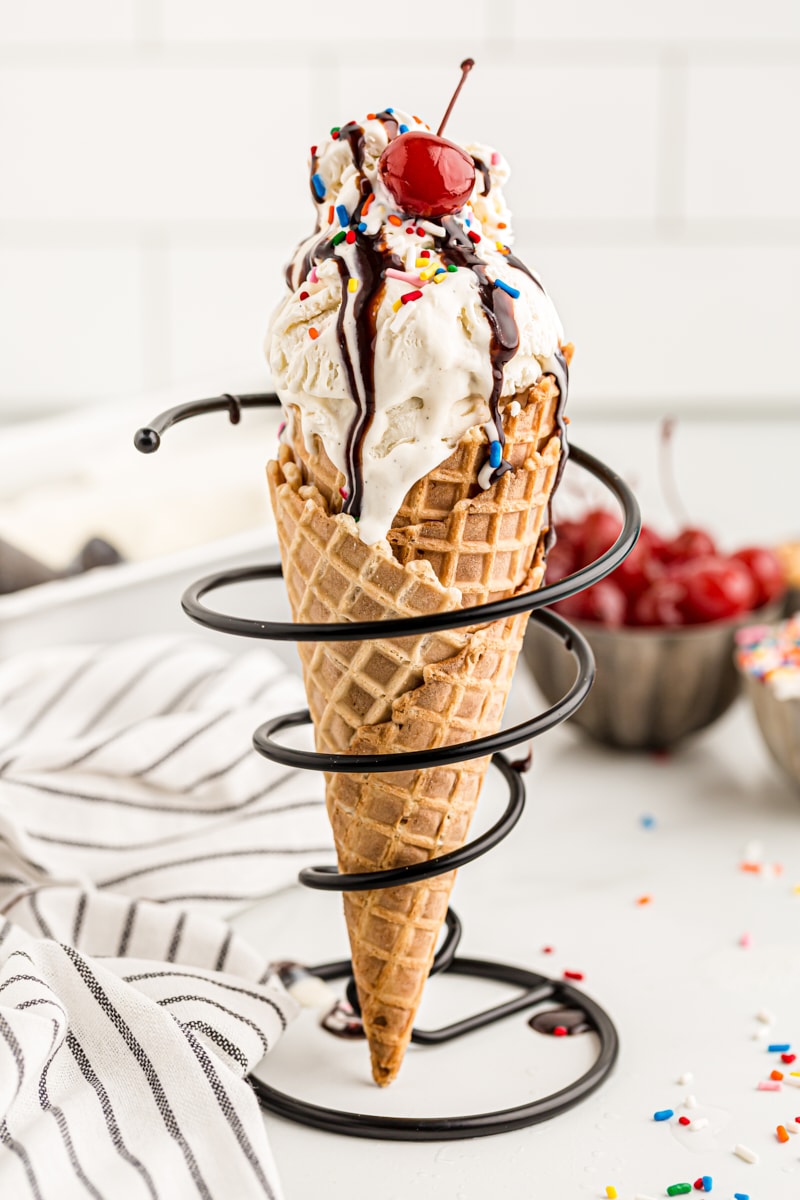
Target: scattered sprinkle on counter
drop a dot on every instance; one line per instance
(708, 1183)
(768, 1085)
(663, 1114)
(642, 900)
(647, 822)
(611, 1191)
(684, 1121)
(700, 1123)
(745, 1153)
(567, 974)
(781, 1134)
(788, 1058)
(686, 1078)
(745, 941)
(779, 1047)
(766, 1017)
(679, 1189)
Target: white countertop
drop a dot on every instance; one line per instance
(671, 974)
(681, 990)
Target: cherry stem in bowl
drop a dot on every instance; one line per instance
(466, 67)
(666, 463)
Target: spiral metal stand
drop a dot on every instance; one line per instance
(535, 989)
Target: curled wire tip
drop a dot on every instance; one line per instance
(146, 440)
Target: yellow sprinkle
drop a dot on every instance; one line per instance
(440, 278)
(796, 889)
(611, 1192)
(428, 273)
(422, 262)
(398, 304)
(795, 1073)
(352, 285)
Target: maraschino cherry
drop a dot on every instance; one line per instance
(425, 173)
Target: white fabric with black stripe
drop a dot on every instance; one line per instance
(134, 817)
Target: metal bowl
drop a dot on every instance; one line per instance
(654, 687)
(779, 722)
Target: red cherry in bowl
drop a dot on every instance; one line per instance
(716, 589)
(765, 571)
(427, 175)
(689, 543)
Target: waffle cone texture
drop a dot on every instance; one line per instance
(451, 545)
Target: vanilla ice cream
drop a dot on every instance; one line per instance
(398, 333)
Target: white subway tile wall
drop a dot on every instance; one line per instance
(154, 179)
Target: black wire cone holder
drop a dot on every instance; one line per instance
(534, 988)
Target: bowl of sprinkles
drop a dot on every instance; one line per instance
(768, 658)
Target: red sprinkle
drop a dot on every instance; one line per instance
(473, 236)
(788, 1058)
(698, 1185)
(409, 296)
(420, 231)
(409, 229)
(547, 949)
(304, 295)
(752, 867)
(313, 333)
(573, 974)
(424, 253)
(335, 134)
(560, 1031)
(684, 1121)
(351, 236)
(313, 151)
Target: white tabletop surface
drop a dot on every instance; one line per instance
(682, 991)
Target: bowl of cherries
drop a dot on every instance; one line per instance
(662, 628)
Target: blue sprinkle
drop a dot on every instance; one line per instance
(495, 454)
(741, 1196)
(663, 1114)
(708, 1183)
(647, 822)
(506, 287)
(343, 215)
(389, 110)
(403, 128)
(362, 227)
(779, 1048)
(440, 271)
(318, 184)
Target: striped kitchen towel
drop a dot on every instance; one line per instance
(134, 817)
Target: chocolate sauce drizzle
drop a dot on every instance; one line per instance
(369, 257)
(457, 248)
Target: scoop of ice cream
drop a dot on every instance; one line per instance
(400, 333)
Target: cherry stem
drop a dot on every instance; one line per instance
(466, 67)
(666, 464)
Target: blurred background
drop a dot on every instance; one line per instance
(154, 179)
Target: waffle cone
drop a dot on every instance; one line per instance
(451, 545)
